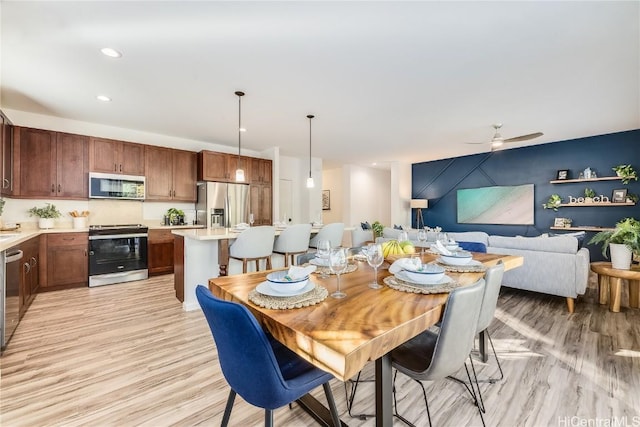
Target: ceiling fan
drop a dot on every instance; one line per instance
(498, 139)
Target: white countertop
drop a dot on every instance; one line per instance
(9, 239)
(207, 233)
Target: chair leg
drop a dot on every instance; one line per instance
(480, 410)
(228, 408)
(268, 418)
(268, 263)
(395, 403)
(332, 404)
(286, 259)
(493, 380)
(244, 265)
(350, 397)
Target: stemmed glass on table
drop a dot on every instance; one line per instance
(422, 238)
(375, 258)
(322, 251)
(251, 219)
(338, 264)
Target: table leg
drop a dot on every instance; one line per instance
(634, 293)
(384, 384)
(615, 285)
(603, 286)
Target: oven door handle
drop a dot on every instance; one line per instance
(118, 236)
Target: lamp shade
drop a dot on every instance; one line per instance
(419, 203)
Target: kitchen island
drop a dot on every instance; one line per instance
(203, 254)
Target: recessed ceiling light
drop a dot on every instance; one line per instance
(107, 51)
(242, 130)
(374, 164)
(103, 98)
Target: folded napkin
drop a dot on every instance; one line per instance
(316, 224)
(296, 272)
(405, 264)
(441, 249)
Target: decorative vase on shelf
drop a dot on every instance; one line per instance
(620, 256)
(46, 223)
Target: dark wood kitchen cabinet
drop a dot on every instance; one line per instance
(67, 261)
(119, 157)
(50, 164)
(30, 280)
(6, 154)
(261, 201)
(160, 252)
(170, 174)
(221, 167)
(260, 171)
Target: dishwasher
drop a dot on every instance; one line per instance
(10, 304)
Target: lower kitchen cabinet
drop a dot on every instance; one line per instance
(30, 278)
(67, 261)
(160, 252)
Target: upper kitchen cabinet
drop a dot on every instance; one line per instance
(221, 167)
(110, 156)
(6, 153)
(260, 171)
(50, 164)
(171, 174)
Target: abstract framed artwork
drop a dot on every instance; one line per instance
(504, 205)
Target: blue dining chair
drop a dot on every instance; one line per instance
(260, 369)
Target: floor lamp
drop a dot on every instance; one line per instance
(419, 204)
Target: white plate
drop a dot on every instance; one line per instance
(402, 276)
(265, 289)
(320, 262)
(471, 263)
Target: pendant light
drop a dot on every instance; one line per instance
(239, 171)
(310, 183)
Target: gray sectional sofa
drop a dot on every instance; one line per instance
(552, 265)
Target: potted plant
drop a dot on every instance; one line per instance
(377, 228)
(176, 216)
(46, 215)
(632, 198)
(626, 172)
(589, 194)
(553, 202)
(622, 241)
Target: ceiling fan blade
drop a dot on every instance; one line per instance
(524, 137)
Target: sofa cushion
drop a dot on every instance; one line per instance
(470, 236)
(559, 244)
(580, 235)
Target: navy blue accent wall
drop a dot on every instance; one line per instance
(438, 181)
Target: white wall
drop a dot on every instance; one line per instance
(332, 180)
(401, 193)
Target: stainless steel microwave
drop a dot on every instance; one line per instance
(112, 186)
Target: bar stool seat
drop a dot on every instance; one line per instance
(253, 244)
(294, 240)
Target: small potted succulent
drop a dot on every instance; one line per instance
(553, 202)
(626, 172)
(589, 194)
(46, 215)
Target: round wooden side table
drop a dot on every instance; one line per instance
(610, 284)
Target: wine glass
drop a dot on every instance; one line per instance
(251, 219)
(375, 258)
(422, 238)
(338, 264)
(322, 252)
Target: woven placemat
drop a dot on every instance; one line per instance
(314, 296)
(350, 269)
(463, 268)
(400, 285)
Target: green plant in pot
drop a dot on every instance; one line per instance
(589, 194)
(622, 242)
(46, 215)
(626, 172)
(176, 216)
(553, 202)
(377, 228)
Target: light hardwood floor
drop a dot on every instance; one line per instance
(127, 355)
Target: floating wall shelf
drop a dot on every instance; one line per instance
(583, 228)
(567, 181)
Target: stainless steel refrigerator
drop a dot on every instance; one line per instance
(221, 204)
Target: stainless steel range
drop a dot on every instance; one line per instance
(117, 253)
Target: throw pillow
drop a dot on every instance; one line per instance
(365, 225)
(397, 227)
(580, 235)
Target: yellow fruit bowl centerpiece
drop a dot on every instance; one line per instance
(394, 247)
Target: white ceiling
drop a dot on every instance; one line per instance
(387, 81)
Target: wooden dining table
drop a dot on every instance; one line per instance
(341, 336)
